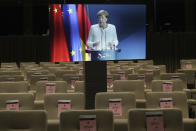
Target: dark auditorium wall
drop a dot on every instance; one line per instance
(24, 21)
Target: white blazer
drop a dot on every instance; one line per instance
(104, 36)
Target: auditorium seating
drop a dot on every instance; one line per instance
(25, 100)
(136, 86)
(10, 73)
(36, 78)
(172, 119)
(27, 84)
(14, 87)
(80, 86)
(41, 91)
(184, 63)
(149, 62)
(23, 121)
(147, 78)
(157, 85)
(190, 76)
(154, 72)
(179, 100)
(59, 73)
(69, 120)
(77, 101)
(126, 100)
(11, 78)
(36, 72)
(71, 79)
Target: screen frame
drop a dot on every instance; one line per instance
(148, 12)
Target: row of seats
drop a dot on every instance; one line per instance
(123, 100)
(91, 120)
(121, 124)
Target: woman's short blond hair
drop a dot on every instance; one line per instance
(103, 12)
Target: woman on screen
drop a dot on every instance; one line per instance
(102, 36)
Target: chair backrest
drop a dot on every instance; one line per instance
(155, 72)
(36, 72)
(9, 65)
(190, 61)
(172, 119)
(179, 100)
(51, 102)
(36, 78)
(10, 69)
(55, 69)
(14, 87)
(114, 76)
(69, 77)
(157, 85)
(80, 86)
(127, 101)
(10, 73)
(189, 74)
(70, 120)
(11, 78)
(59, 73)
(148, 78)
(150, 62)
(23, 121)
(26, 100)
(168, 76)
(60, 87)
(136, 86)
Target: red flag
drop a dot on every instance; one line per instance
(84, 26)
(59, 50)
(84, 22)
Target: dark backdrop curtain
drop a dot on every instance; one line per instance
(169, 48)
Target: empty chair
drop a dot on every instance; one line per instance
(24, 101)
(46, 65)
(174, 85)
(122, 74)
(54, 69)
(190, 75)
(110, 81)
(59, 73)
(176, 99)
(162, 68)
(11, 78)
(136, 86)
(51, 104)
(125, 62)
(10, 69)
(26, 64)
(10, 73)
(141, 119)
(170, 76)
(36, 78)
(70, 120)
(154, 72)
(48, 87)
(14, 87)
(34, 71)
(80, 86)
(119, 103)
(8, 65)
(71, 79)
(147, 78)
(23, 121)
(186, 64)
(149, 62)
(31, 70)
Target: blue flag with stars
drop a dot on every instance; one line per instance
(71, 26)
